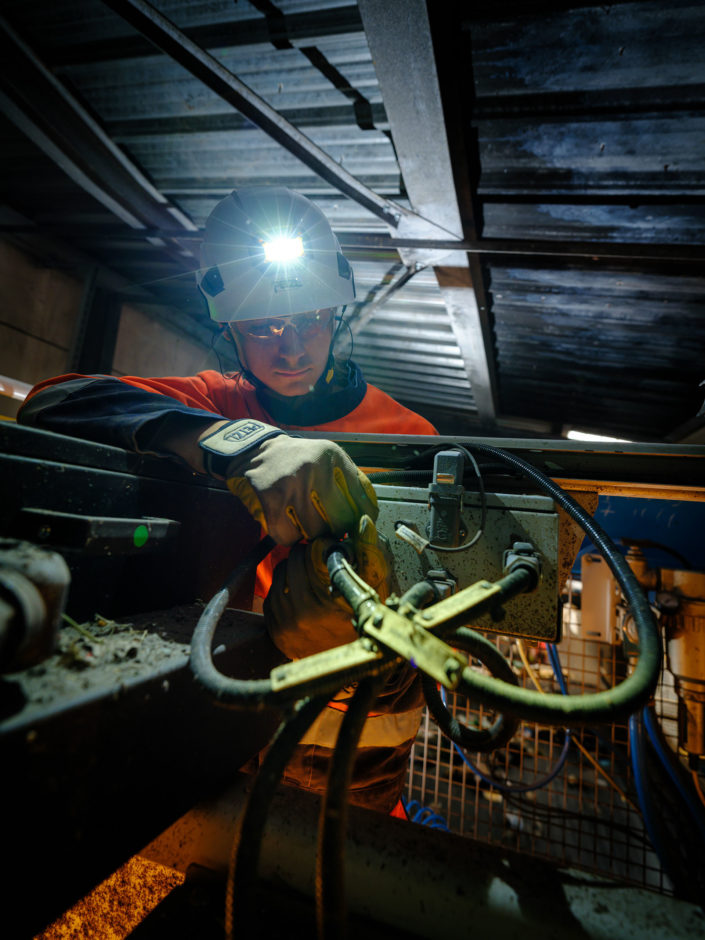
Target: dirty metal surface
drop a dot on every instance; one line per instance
(510, 518)
(108, 741)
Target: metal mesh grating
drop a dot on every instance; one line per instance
(578, 819)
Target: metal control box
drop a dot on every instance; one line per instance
(510, 518)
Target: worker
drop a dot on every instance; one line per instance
(274, 277)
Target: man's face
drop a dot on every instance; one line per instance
(288, 354)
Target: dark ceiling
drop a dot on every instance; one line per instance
(520, 186)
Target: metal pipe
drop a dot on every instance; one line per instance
(427, 882)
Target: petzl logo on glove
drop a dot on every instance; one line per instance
(241, 431)
(233, 439)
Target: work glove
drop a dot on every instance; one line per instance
(295, 488)
(301, 614)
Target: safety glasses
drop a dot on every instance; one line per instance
(307, 325)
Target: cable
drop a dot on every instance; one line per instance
(673, 768)
(512, 787)
(560, 678)
(547, 815)
(562, 757)
(527, 666)
(557, 668)
(244, 857)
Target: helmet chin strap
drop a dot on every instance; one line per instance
(329, 372)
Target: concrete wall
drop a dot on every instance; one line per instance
(148, 347)
(39, 308)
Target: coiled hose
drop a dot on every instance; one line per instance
(574, 710)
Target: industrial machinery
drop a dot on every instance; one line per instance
(482, 536)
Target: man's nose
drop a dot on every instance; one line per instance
(290, 344)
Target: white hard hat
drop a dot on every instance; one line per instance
(270, 252)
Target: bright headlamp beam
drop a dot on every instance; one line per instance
(283, 249)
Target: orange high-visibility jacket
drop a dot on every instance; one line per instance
(128, 411)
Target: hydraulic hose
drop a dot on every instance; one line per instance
(330, 876)
(571, 710)
(512, 788)
(419, 594)
(244, 858)
(502, 729)
(674, 770)
(649, 811)
(244, 693)
(556, 709)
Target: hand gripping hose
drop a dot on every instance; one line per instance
(550, 709)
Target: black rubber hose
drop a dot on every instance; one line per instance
(570, 710)
(243, 693)
(419, 595)
(341, 581)
(330, 874)
(244, 858)
(553, 709)
(503, 729)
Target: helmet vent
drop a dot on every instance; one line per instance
(212, 282)
(344, 269)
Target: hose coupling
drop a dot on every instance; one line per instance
(523, 555)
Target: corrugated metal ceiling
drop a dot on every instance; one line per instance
(580, 125)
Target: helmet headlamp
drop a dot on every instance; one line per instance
(283, 249)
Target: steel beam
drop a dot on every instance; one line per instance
(375, 241)
(296, 28)
(167, 37)
(399, 36)
(42, 108)
(175, 43)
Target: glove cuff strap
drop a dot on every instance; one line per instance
(233, 440)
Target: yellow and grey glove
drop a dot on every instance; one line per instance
(301, 615)
(295, 488)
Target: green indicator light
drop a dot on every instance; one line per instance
(140, 536)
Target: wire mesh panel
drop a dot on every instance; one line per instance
(568, 797)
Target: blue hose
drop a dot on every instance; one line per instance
(558, 766)
(424, 816)
(557, 668)
(637, 746)
(668, 760)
